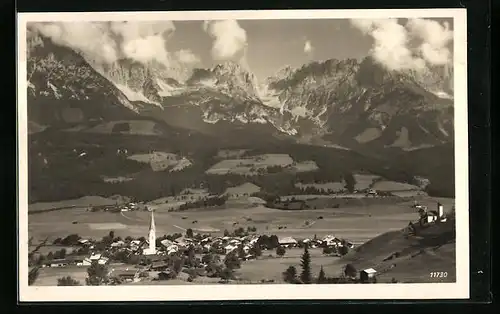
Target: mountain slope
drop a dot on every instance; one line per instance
(355, 102)
(344, 102)
(64, 89)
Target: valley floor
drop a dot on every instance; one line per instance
(355, 224)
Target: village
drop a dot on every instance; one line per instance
(194, 255)
(167, 257)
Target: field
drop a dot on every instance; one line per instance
(160, 161)
(364, 181)
(48, 276)
(328, 186)
(394, 186)
(271, 268)
(83, 202)
(139, 127)
(116, 179)
(251, 165)
(356, 223)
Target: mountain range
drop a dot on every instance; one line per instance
(353, 112)
(343, 102)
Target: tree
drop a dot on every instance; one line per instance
(60, 254)
(232, 261)
(321, 276)
(343, 250)
(97, 275)
(290, 275)
(227, 274)
(280, 251)
(328, 250)
(50, 256)
(226, 233)
(207, 258)
(189, 233)
(256, 250)
(33, 275)
(178, 263)
(305, 276)
(241, 251)
(67, 281)
(70, 240)
(350, 182)
(111, 234)
(273, 241)
(350, 271)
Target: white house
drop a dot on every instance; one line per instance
(331, 240)
(119, 243)
(432, 216)
(288, 242)
(367, 274)
(229, 248)
(166, 243)
(85, 262)
(95, 257)
(84, 241)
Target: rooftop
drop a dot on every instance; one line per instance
(370, 271)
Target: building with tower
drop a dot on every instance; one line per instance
(151, 250)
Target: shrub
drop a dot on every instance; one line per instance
(67, 281)
(290, 275)
(280, 251)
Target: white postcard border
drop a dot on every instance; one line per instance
(457, 290)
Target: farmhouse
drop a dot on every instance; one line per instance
(57, 263)
(79, 260)
(159, 266)
(84, 242)
(246, 189)
(367, 275)
(288, 242)
(432, 216)
(330, 240)
(128, 275)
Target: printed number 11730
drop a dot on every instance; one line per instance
(439, 274)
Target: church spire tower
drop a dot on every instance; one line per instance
(152, 236)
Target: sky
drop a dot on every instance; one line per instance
(263, 46)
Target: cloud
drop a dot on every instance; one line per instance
(144, 41)
(435, 39)
(230, 40)
(106, 42)
(88, 38)
(390, 44)
(308, 48)
(187, 56)
(393, 46)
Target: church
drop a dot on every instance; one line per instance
(151, 250)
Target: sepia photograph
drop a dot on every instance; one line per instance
(175, 155)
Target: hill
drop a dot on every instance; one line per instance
(409, 258)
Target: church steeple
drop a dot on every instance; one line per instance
(152, 226)
(152, 236)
